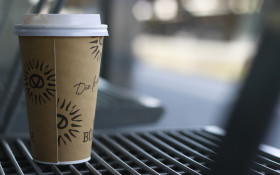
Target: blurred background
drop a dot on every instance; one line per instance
(190, 55)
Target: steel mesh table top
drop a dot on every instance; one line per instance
(154, 152)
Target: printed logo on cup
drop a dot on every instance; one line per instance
(39, 81)
(96, 48)
(68, 121)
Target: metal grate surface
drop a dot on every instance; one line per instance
(156, 152)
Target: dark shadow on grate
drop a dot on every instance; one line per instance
(158, 152)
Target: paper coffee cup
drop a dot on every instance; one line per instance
(61, 56)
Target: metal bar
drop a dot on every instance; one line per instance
(176, 143)
(113, 156)
(39, 6)
(124, 151)
(74, 170)
(268, 155)
(12, 157)
(254, 172)
(147, 155)
(105, 164)
(209, 137)
(56, 170)
(57, 7)
(177, 153)
(200, 139)
(1, 170)
(270, 163)
(265, 169)
(29, 157)
(191, 143)
(163, 154)
(92, 169)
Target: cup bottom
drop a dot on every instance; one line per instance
(63, 162)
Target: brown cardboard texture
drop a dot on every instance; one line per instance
(60, 79)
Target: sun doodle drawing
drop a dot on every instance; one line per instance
(96, 48)
(68, 121)
(39, 81)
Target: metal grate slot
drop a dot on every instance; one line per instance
(199, 139)
(169, 158)
(253, 172)
(192, 144)
(56, 170)
(82, 168)
(33, 167)
(262, 168)
(201, 157)
(269, 156)
(180, 152)
(63, 169)
(104, 163)
(160, 166)
(269, 163)
(209, 137)
(92, 169)
(257, 167)
(11, 156)
(74, 170)
(29, 157)
(140, 163)
(1, 170)
(115, 157)
(186, 159)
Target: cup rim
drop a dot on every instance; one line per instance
(61, 25)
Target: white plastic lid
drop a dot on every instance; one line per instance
(61, 25)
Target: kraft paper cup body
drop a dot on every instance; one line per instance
(61, 76)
